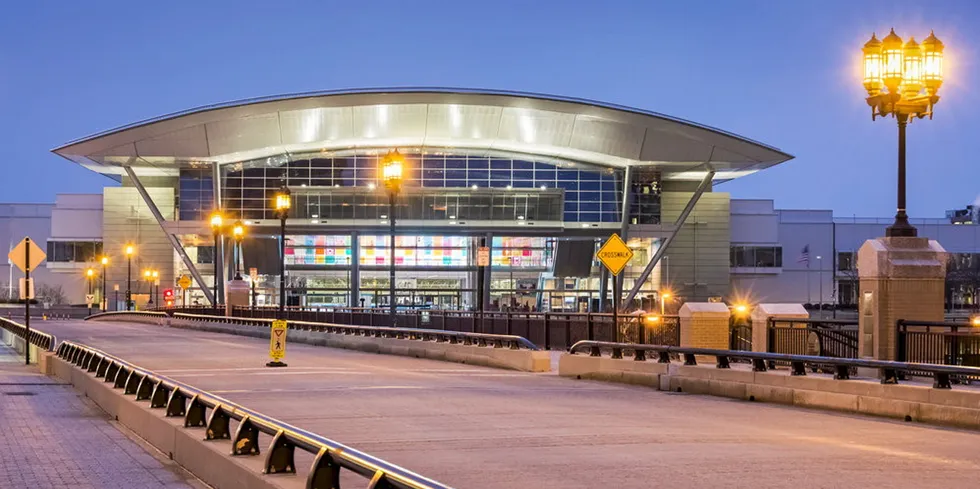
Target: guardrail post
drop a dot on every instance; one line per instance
(721, 361)
(218, 425)
(799, 368)
(325, 471)
(889, 376)
(941, 381)
(617, 353)
(177, 404)
(758, 365)
(195, 415)
(281, 455)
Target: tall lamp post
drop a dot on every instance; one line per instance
(238, 233)
(216, 223)
(130, 250)
(89, 277)
(912, 74)
(148, 277)
(105, 300)
(392, 166)
(283, 203)
(155, 286)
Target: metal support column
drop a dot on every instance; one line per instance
(678, 224)
(219, 245)
(487, 271)
(624, 225)
(173, 239)
(355, 271)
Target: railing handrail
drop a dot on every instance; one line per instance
(339, 454)
(129, 313)
(835, 322)
(513, 340)
(38, 338)
(911, 322)
(889, 368)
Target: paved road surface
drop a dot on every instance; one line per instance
(475, 427)
(50, 437)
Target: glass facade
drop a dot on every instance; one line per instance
(756, 256)
(74, 251)
(196, 194)
(589, 194)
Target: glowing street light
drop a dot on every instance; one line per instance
(283, 203)
(238, 233)
(217, 222)
(89, 277)
(392, 171)
(912, 74)
(130, 250)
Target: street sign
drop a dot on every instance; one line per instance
(483, 256)
(89, 299)
(253, 273)
(23, 289)
(184, 282)
(614, 254)
(18, 255)
(277, 340)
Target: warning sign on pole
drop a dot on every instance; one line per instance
(277, 343)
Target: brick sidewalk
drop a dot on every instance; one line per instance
(50, 437)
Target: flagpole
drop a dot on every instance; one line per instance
(809, 296)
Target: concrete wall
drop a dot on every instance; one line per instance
(699, 255)
(127, 219)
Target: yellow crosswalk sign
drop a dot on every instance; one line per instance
(277, 340)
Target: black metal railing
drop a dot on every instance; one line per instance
(112, 314)
(814, 337)
(194, 405)
(889, 371)
(548, 329)
(740, 336)
(513, 342)
(37, 338)
(938, 342)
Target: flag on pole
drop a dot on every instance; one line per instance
(804, 256)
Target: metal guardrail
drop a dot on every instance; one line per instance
(193, 404)
(889, 370)
(37, 338)
(456, 337)
(155, 314)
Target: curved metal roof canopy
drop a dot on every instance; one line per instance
(485, 122)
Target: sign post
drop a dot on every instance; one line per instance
(184, 282)
(27, 256)
(614, 255)
(277, 343)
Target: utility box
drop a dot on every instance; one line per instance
(236, 294)
(762, 313)
(704, 325)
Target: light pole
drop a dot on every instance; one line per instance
(130, 250)
(105, 300)
(912, 73)
(89, 277)
(663, 302)
(283, 203)
(216, 223)
(238, 233)
(147, 275)
(392, 167)
(156, 291)
(820, 282)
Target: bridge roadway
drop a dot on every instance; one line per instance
(474, 427)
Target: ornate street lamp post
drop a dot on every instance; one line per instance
(216, 224)
(283, 203)
(392, 166)
(912, 74)
(89, 277)
(238, 233)
(105, 300)
(130, 250)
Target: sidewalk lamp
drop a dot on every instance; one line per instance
(216, 223)
(130, 250)
(89, 277)
(238, 233)
(283, 203)
(105, 301)
(148, 277)
(392, 168)
(663, 301)
(912, 74)
(155, 274)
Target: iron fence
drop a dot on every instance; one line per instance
(817, 337)
(938, 342)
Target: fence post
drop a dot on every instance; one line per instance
(510, 316)
(547, 333)
(899, 341)
(591, 328)
(641, 330)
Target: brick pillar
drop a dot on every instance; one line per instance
(761, 314)
(901, 278)
(704, 325)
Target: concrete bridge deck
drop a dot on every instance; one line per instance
(474, 427)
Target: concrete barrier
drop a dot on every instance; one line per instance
(910, 401)
(506, 358)
(18, 344)
(207, 460)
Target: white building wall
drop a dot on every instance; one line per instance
(18, 221)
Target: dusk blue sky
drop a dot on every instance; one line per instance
(784, 72)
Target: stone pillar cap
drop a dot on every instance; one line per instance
(704, 309)
(791, 311)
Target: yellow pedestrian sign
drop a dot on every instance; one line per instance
(277, 343)
(614, 254)
(23, 260)
(184, 282)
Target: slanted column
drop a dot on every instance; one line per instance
(901, 278)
